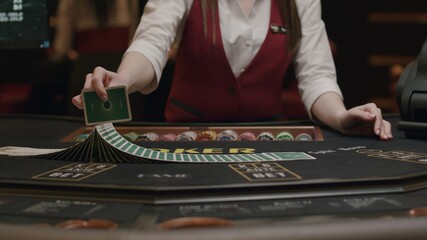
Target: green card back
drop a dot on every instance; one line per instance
(116, 109)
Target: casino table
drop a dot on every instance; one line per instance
(351, 187)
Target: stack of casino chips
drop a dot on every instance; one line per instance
(210, 135)
(206, 136)
(131, 136)
(227, 135)
(284, 136)
(265, 136)
(247, 136)
(149, 137)
(168, 137)
(186, 136)
(304, 137)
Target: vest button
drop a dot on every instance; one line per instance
(232, 91)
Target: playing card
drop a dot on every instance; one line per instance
(115, 109)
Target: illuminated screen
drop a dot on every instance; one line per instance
(24, 24)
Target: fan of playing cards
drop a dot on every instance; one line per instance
(106, 145)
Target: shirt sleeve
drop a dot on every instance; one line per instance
(156, 33)
(314, 65)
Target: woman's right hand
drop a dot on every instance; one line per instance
(98, 81)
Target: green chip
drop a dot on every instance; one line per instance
(284, 136)
(116, 109)
(303, 137)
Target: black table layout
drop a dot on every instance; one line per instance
(348, 183)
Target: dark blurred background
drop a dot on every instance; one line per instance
(372, 42)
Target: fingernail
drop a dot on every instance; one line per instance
(104, 97)
(378, 132)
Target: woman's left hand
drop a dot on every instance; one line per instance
(364, 120)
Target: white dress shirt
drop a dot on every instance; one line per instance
(242, 36)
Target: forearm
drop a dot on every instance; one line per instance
(327, 109)
(138, 71)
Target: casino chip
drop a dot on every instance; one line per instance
(131, 136)
(284, 136)
(206, 136)
(149, 137)
(303, 137)
(247, 136)
(187, 136)
(168, 137)
(227, 135)
(265, 136)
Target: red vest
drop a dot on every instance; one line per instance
(204, 88)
